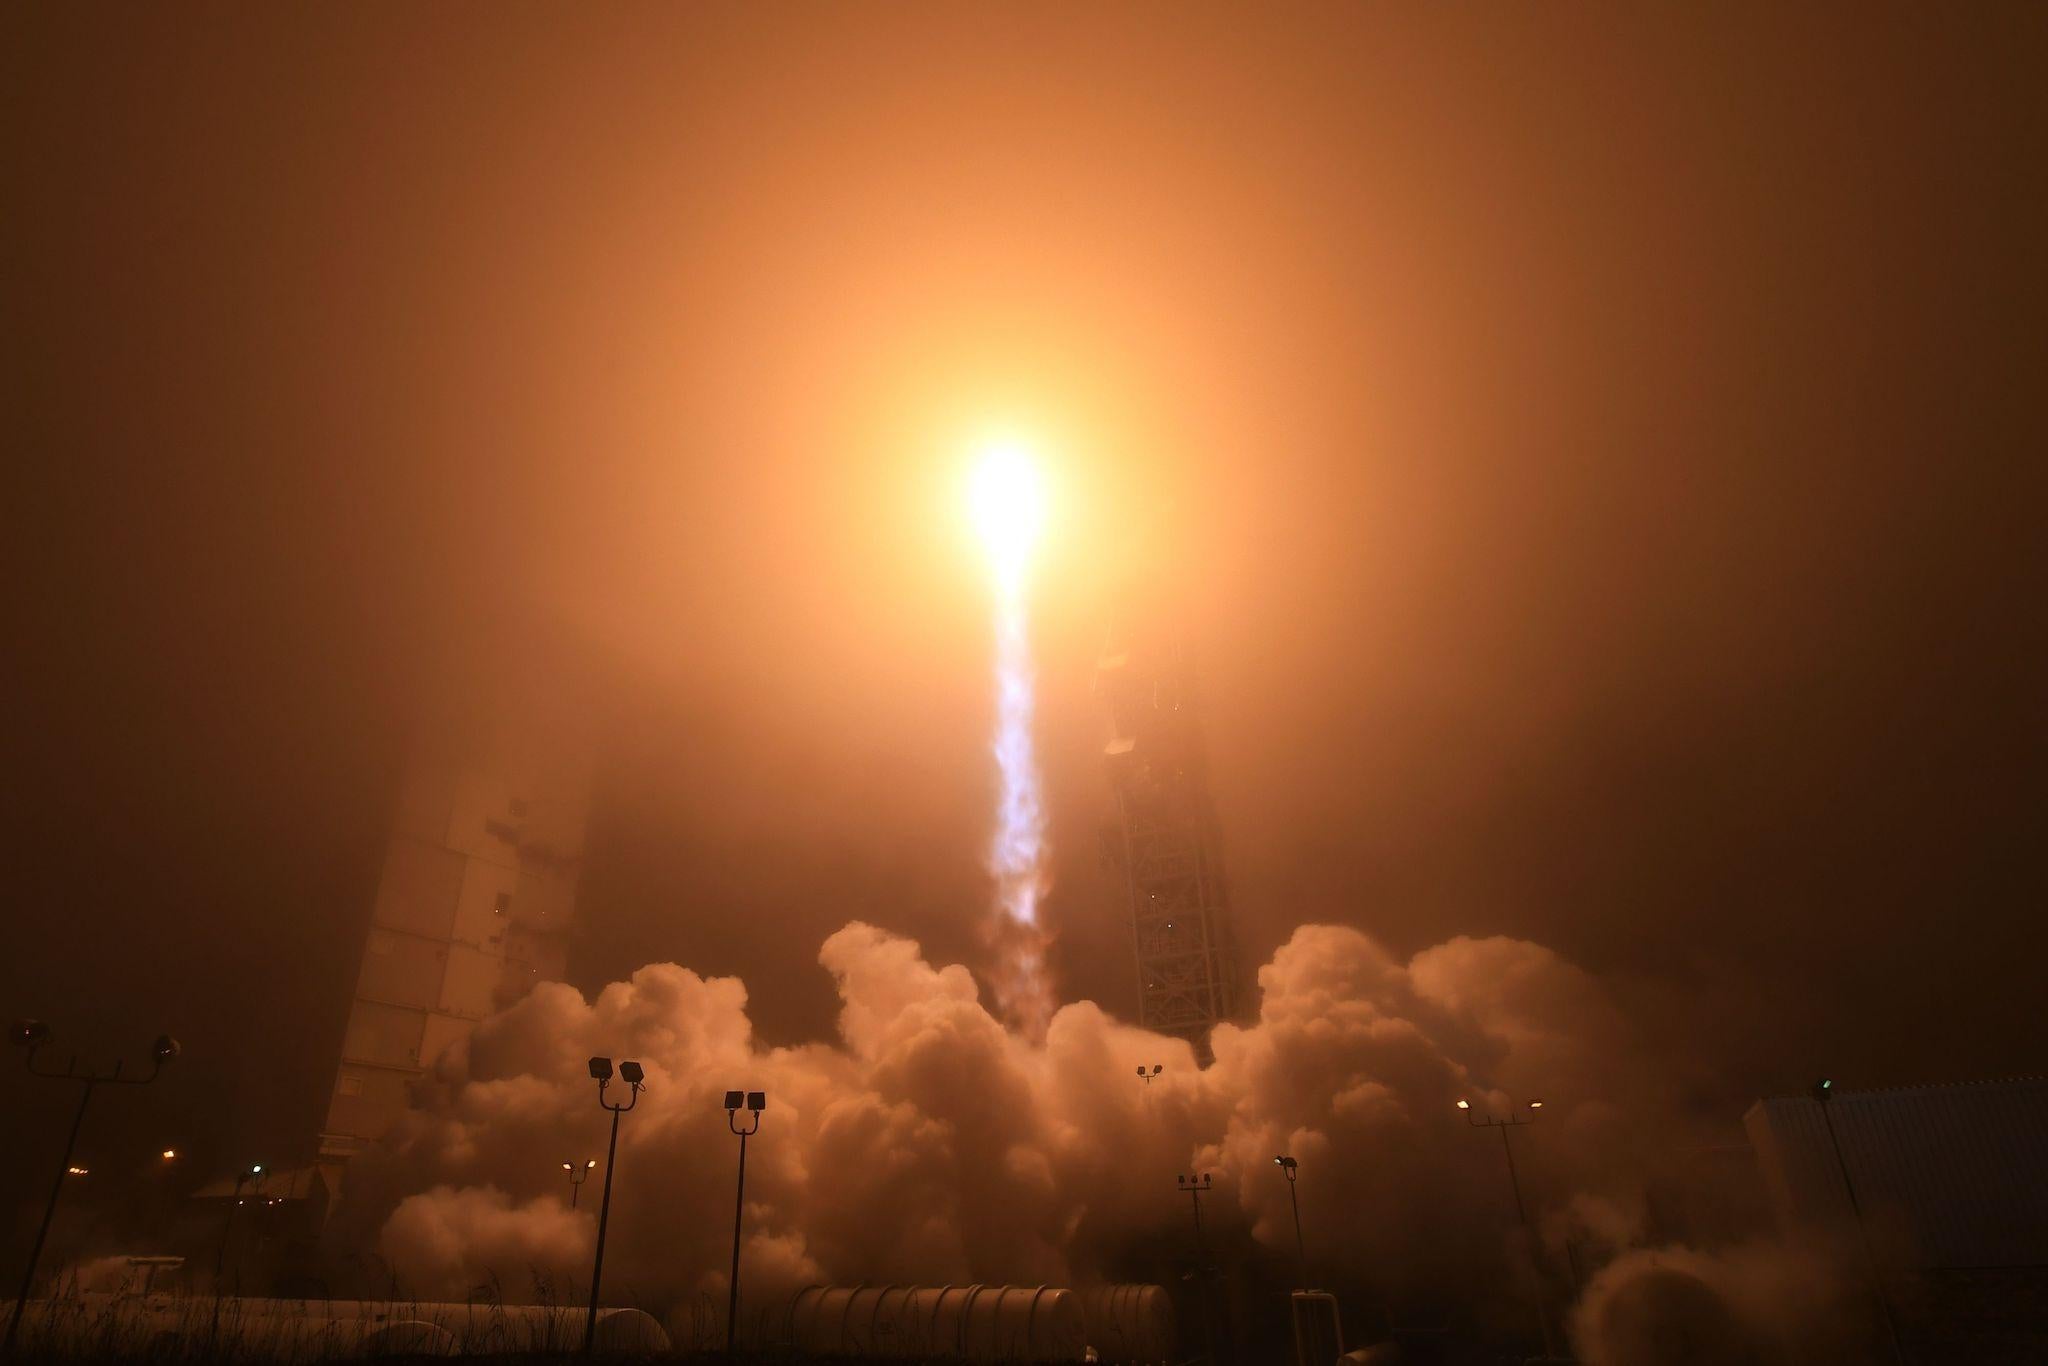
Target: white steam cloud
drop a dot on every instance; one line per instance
(930, 1143)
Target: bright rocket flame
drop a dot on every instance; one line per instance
(1008, 501)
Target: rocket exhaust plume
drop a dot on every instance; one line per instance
(1008, 501)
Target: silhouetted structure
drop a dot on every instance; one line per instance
(474, 905)
(1949, 1186)
(1167, 846)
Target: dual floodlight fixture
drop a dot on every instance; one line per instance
(571, 1166)
(756, 1101)
(1472, 1116)
(1287, 1163)
(1145, 1074)
(33, 1034)
(630, 1072)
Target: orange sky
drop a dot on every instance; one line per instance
(1586, 444)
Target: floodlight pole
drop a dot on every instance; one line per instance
(1194, 1190)
(1300, 1247)
(34, 1037)
(604, 1209)
(1514, 1121)
(227, 1227)
(739, 1209)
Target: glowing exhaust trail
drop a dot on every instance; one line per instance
(1009, 511)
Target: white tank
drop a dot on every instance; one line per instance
(1129, 1323)
(972, 1322)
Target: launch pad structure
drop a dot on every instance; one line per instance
(1167, 845)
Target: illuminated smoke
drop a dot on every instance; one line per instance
(929, 1143)
(1008, 508)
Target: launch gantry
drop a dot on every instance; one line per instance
(1167, 847)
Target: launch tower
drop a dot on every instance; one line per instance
(1166, 843)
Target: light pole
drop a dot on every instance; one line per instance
(1287, 1165)
(1515, 1121)
(32, 1035)
(1196, 1188)
(254, 1177)
(1823, 1091)
(756, 1102)
(631, 1073)
(578, 1174)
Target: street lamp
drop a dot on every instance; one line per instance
(252, 1177)
(578, 1174)
(601, 1072)
(1288, 1166)
(756, 1102)
(1515, 1121)
(32, 1035)
(1146, 1076)
(1823, 1091)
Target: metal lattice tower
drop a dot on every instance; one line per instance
(1167, 846)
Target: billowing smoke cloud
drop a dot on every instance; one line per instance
(929, 1143)
(1766, 1302)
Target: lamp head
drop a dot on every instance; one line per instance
(757, 1101)
(1535, 1105)
(1823, 1090)
(630, 1070)
(165, 1049)
(29, 1033)
(601, 1069)
(735, 1099)
(1464, 1104)
(1284, 1161)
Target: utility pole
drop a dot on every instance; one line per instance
(32, 1035)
